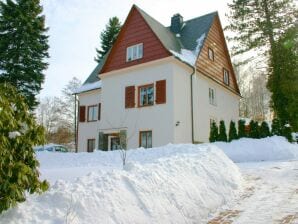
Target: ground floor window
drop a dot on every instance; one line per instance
(90, 145)
(146, 139)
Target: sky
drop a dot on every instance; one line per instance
(75, 26)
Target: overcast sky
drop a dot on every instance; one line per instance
(75, 26)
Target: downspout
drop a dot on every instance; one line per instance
(75, 123)
(191, 104)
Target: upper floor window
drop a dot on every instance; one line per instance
(92, 113)
(146, 95)
(226, 76)
(212, 97)
(134, 52)
(210, 54)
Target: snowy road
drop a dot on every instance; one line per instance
(271, 195)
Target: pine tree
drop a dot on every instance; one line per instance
(232, 131)
(213, 136)
(254, 129)
(23, 47)
(283, 81)
(258, 24)
(276, 127)
(287, 132)
(222, 132)
(264, 130)
(241, 129)
(108, 37)
(18, 134)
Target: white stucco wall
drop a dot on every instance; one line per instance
(182, 102)
(226, 108)
(158, 118)
(88, 130)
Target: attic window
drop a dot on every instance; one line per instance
(226, 76)
(134, 52)
(210, 54)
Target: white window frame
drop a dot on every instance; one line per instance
(212, 96)
(226, 76)
(92, 113)
(148, 144)
(134, 52)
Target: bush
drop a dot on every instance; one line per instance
(276, 127)
(241, 129)
(287, 132)
(213, 136)
(254, 129)
(222, 132)
(232, 131)
(264, 130)
(18, 134)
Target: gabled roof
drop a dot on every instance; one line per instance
(186, 46)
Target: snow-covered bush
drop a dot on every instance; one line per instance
(18, 134)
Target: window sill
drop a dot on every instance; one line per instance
(92, 121)
(150, 105)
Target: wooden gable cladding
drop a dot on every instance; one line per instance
(160, 92)
(82, 113)
(134, 31)
(130, 97)
(214, 68)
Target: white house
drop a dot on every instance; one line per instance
(158, 85)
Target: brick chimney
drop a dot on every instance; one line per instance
(176, 23)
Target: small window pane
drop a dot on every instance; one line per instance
(140, 49)
(149, 139)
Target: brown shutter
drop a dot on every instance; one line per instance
(161, 91)
(129, 96)
(99, 111)
(82, 113)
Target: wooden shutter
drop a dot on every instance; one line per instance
(161, 91)
(99, 111)
(129, 96)
(82, 113)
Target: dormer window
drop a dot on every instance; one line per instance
(210, 54)
(226, 76)
(134, 52)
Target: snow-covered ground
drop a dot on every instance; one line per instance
(171, 184)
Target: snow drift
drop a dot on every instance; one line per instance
(265, 149)
(171, 184)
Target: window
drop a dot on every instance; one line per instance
(212, 98)
(99, 111)
(134, 52)
(210, 54)
(146, 95)
(226, 76)
(90, 145)
(146, 139)
(92, 113)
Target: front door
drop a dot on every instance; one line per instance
(114, 143)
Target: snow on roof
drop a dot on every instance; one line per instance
(188, 56)
(88, 86)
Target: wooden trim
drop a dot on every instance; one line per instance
(94, 105)
(161, 91)
(99, 112)
(82, 109)
(140, 134)
(139, 91)
(218, 82)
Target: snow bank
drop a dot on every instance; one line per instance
(265, 149)
(171, 184)
(88, 87)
